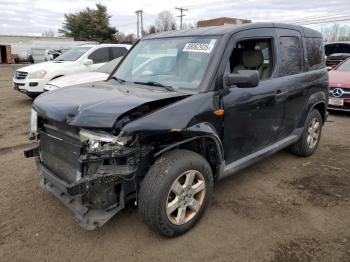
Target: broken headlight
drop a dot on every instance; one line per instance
(102, 141)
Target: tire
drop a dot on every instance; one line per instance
(304, 146)
(160, 184)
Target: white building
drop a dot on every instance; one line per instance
(22, 46)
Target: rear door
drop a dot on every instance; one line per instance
(292, 77)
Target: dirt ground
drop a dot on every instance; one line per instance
(285, 208)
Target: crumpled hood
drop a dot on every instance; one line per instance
(96, 105)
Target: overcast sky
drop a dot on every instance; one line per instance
(28, 17)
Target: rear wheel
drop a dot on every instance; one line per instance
(175, 192)
(311, 136)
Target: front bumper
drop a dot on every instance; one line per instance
(69, 195)
(93, 198)
(345, 107)
(29, 86)
(86, 217)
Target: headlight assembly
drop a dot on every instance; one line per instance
(101, 141)
(37, 74)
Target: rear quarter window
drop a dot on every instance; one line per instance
(315, 53)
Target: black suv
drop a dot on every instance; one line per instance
(182, 110)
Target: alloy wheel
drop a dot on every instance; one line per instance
(313, 133)
(185, 197)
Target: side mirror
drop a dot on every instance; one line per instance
(243, 78)
(87, 62)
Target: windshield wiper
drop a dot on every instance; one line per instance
(121, 81)
(153, 83)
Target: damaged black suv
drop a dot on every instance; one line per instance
(182, 110)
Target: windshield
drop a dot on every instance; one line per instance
(344, 67)
(108, 67)
(73, 54)
(177, 62)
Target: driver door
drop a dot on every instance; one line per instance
(253, 116)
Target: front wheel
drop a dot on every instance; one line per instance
(175, 192)
(311, 136)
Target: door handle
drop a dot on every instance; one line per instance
(279, 92)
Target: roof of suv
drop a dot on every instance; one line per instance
(231, 29)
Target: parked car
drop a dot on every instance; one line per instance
(23, 57)
(51, 54)
(335, 59)
(99, 74)
(162, 134)
(339, 87)
(336, 53)
(85, 58)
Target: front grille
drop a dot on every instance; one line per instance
(60, 153)
(21, 75)
(345, 92)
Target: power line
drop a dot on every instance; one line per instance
(315, 18)
(327, 21)
(181, 14)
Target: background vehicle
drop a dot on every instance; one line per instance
(100, 74)
(339, 87)
(160, 134)
(336, 53)
(23, 57)
(51, 54)
(32, 79)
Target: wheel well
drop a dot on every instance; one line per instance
(321, 107)
(208, 148)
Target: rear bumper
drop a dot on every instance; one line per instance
(70, 195)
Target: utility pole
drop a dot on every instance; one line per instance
(137, 26)
(139, 13)
(181, 14)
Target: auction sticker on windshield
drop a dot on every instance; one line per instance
(198, 47)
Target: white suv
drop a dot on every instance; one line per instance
(32, 79)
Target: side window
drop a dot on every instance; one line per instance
(253, 54)
(315, 53)
(100, 55)
(118, 52)
(291, 55)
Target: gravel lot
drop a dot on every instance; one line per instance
(283, 209)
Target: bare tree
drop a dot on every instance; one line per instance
(151, 30)
(121, 38)
(165, 21)
(49, 33)
(188, 25)
(336, 32)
